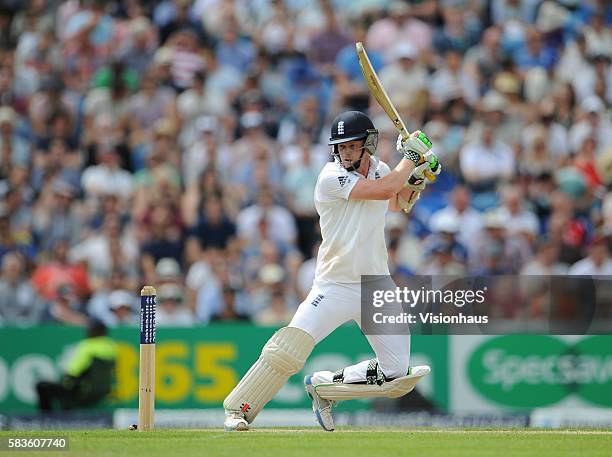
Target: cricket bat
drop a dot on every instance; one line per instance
(379, 93)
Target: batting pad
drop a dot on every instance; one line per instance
(390, 389)
(283, 355)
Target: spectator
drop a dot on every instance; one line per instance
(484, 163)
(150, 104)
(229, 312)
(65, 308)
(452, 78)
(496, 253)
(99, 305)
(168, 270)
(121, 306)
(533, 53)
(15, 226)
(459, 30)
(57, 217)
(165, 240)
(444, 239)
(442, 261)
(399, 25)
(279, 221)
(520, 220)
(170, 310)
(405, 78)
(16, 147)
(186, 57)
(138, 54)
(19, 303)
(461, 214)
(326, 43)
(484, 60)
(106, 176)
(351, 88)
(299, 186)
(233, 50)
(106, 249)
(546, 261)
(214, 229)
(598, 261)
(58, 270)
(593, 124)
(275, 303)
(205, 151)
(182, 20)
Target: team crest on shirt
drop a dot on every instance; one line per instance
(341, 128)
(342, 180)
(377, 175)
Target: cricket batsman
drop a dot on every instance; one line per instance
(352, 196)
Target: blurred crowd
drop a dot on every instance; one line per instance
(177, 143)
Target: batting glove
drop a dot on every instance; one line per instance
(407, 205)
(430, 169)
(415, 147)
(416, 181)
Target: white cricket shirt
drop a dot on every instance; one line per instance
(353, 231)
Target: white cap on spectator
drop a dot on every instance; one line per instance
(271, 274)
(140, 25)
(444, 223)
(551, 16)
(119, 298)
(493, 101)
(164, 127)
(170, 292)
(167, 268)
(8, 114)
(592, 104)
(494, 219)
(405, 50)
(252, 119)
(507, 83)
(163, 56)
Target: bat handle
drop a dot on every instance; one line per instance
(431, 177)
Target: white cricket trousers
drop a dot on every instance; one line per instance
(328, 306)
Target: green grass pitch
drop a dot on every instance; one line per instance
(353, 442)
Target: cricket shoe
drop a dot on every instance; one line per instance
(235, 421)
(320, 406)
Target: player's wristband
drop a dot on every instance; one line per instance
(412, 156)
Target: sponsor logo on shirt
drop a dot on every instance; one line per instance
(317, 300)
